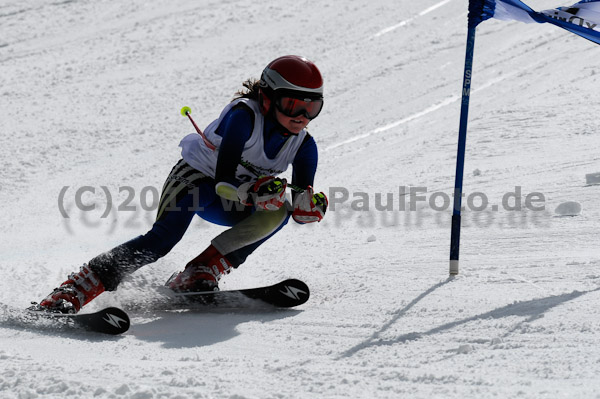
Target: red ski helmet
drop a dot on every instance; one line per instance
(291, 76)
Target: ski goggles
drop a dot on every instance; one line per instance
(295, 106)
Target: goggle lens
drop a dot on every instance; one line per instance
(292, 107)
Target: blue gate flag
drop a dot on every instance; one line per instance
(582, 18)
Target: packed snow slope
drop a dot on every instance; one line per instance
(90, 93)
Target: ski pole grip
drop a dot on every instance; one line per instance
(185, 111)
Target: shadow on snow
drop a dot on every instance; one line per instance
(190, 329)
(532, 309)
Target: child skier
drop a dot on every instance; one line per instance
(228, 177)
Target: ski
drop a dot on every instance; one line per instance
(110, 320)
(285, 294)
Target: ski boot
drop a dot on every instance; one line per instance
(79, 289)
(202, 273)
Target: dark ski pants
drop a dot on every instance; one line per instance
(188, 192)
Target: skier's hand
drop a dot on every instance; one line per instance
(309, 207)
(267, 193)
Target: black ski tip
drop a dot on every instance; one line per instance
(290, 293)
(106, 321)
(111, 320)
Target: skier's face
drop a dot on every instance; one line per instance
(294, 124)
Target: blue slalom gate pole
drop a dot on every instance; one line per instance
(460, 157)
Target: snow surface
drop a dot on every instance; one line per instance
(90, 93)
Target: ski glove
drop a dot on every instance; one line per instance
(266, 193)
(309, 207)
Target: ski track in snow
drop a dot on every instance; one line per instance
(90, 94)
(410, 118)
(409, 20)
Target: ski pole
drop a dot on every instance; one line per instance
(186, 111)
